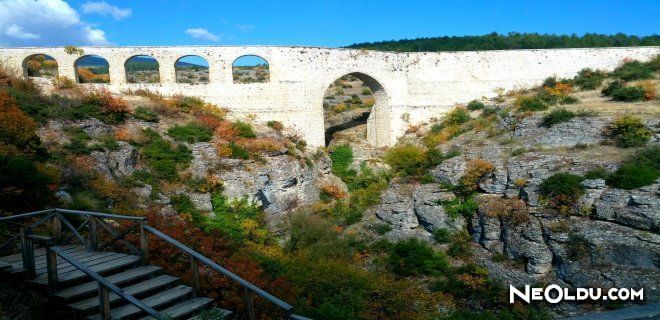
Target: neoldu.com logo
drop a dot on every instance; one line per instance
(555, 294)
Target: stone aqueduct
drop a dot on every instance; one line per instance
(409, 87)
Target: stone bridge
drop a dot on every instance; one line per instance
(409, 88)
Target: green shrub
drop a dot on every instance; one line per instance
(145, 114)
(406, 160)
(230, 216)
(597, 173)
(237, 152)
(633, 70)
(275, 125)
(563, 189)
(164, 159)
(382, 228)
(460, 207)
(654, 64)
(531, 104)
(457, 116)
(459, 246)
(414, 257)
(639, 170)
(557, 116)
(628, 131)
(78, 141)
(588, 79)
(22, 185)
(612, 87)
(244, 129)
(436, 156)
(629, 94)
(442, 236)
(475, 105)
(342, 158)
(568, 100)
(190, 133)
(188, 103)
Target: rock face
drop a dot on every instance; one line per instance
(450, 171)
(117, 163)
(430, 213)
(397, 207)
(636, 208)
(282, 184)
(580, 130)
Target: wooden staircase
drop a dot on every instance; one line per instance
(102, 284)
(148, 283)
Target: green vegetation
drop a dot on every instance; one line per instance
(164, 159)
(633, 70)
(342, 157)
(145, 114)
(588, 79)
(596, 173)
(513, 40)
(457, 116)
(414, 257)
(460, 207)
(190, 133)
(460, 245)
(442, 236)
(531, 104)
(557, 116)
(244, 129)
(475, 105)
(563, 190)
(641, 169)
(628, 131)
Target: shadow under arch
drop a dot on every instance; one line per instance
(377, 120)
(92, 68)
(40, 65)
(192, 69)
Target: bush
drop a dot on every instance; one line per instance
(612, 87)
(244, 129)
(190, 133)
(563, 189)
(238, 152)
(102, 105)
(457, 116)
(475, 171)
(414, 257)
(628, 131)
(406, 160)
(145, 114)
(275, 125)
(633, 70)
(460, 207)
(342, 158)
(557, 116)
(629, 94)
(23, 186)
(63, 83)
(442, 236)
(588, 79)
(530, 104)
(164, 159)
(639, 170)
(475, 105)
(459, 246)
(597, 173)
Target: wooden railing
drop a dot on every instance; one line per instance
(92, 221)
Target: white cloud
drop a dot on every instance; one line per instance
(45, 23)
(105, 9)
(245, 27)
(202, 34)
(16, 31)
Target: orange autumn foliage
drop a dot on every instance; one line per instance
(17, 129)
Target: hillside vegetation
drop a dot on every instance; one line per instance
(513, 40)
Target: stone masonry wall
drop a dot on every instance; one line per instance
(416, 86)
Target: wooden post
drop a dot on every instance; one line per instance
(27, 252)
(144, 243)
(93, 239)
(57, 229)
(104, 302)
(194, 266)
(51, 267)
(249, 303)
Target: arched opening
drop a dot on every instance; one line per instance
(250, 69)
(192, 70)
(92, 69)
(353, 111)
(142, 69)
(40, 65)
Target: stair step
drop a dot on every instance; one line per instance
(118, 279)
(155, 301)
(185, 308)
(99, 268)
(149, 285)
(4, 266)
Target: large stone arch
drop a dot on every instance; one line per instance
(378, 124)
(45, 57)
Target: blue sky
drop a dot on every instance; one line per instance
(313, 23)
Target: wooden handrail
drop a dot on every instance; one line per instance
(74, 212)
(104, 283)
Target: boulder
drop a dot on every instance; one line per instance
(430, 213)
(450, 170)
(116, 163)
(638, 208)
(579, 130)
(397, 207)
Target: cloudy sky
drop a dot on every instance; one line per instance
(306, 22)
